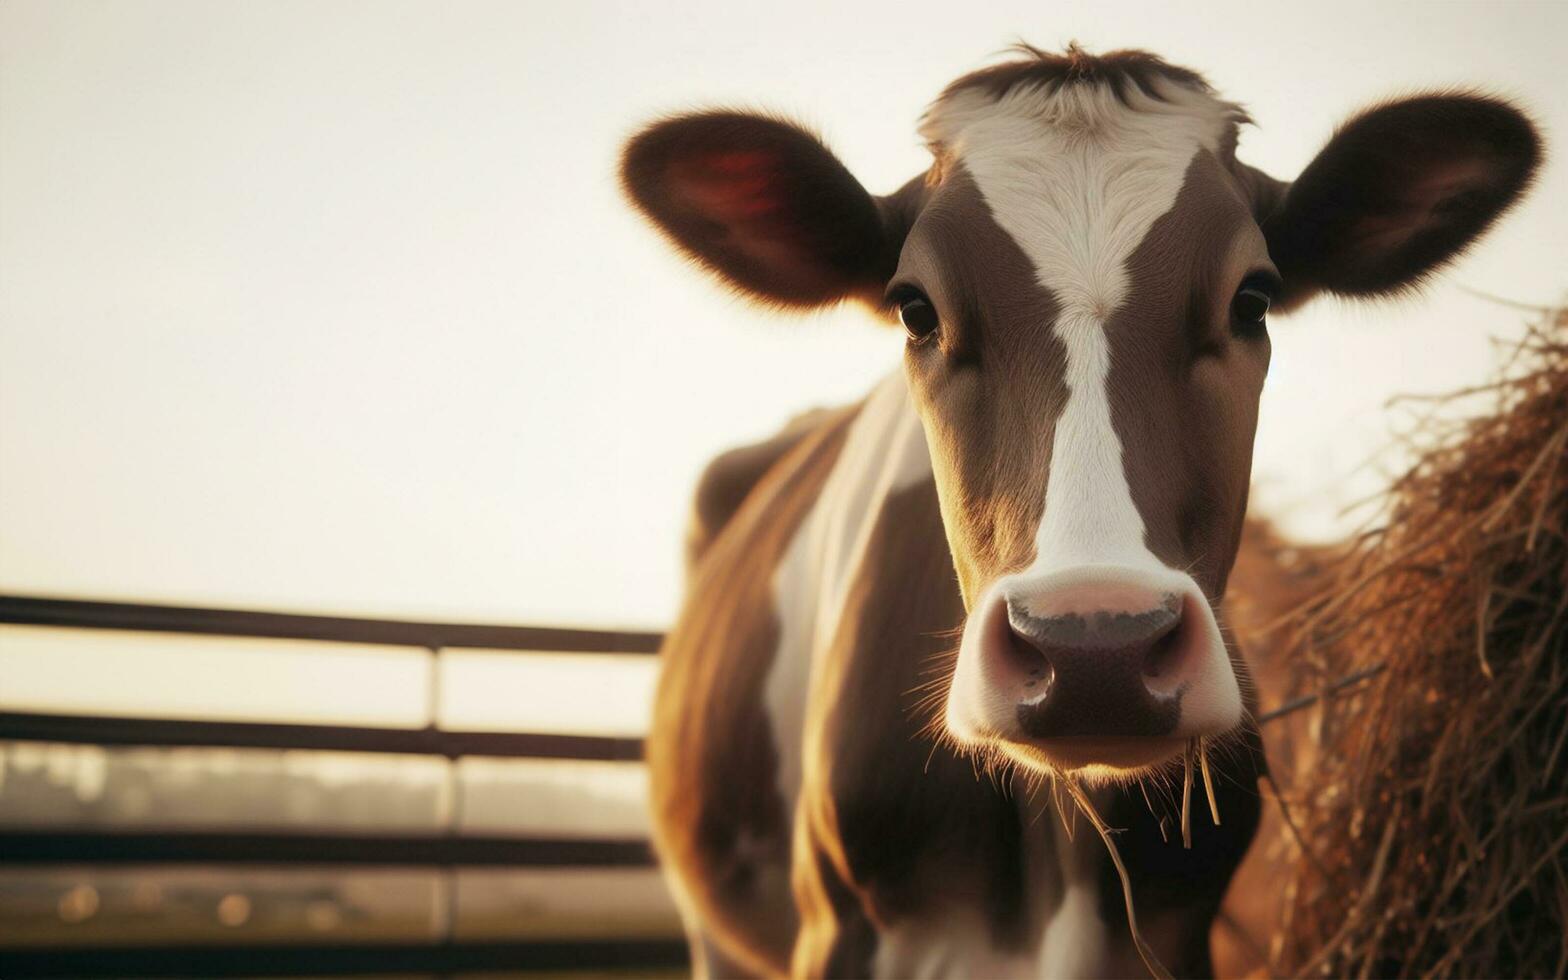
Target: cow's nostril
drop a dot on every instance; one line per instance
(1161, 659)
(1039, 678)
(1031, 663)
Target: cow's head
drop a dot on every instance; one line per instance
(1084, 274)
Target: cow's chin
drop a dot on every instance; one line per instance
(1095, 760)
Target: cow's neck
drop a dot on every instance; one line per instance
(961, 873)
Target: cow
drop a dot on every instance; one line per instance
(916, 629)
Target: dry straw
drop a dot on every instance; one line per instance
(1431, 801)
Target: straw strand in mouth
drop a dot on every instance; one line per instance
(1186, 796)
(1150, 961)
(1208, 779)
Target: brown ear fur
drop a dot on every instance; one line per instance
(1401, 189)
(762, 203)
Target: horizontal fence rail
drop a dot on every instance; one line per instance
(444, 850)
(19, 847)
(638, 955)
(108, 730)
(78, 614)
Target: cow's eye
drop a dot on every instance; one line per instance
(1250, 306)
(918, 316)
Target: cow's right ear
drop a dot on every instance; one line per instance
(762, 203)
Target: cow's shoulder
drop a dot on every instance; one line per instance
(731, 477)
(720, 818)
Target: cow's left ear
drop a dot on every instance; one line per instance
(1400, 190)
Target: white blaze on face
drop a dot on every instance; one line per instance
(1077, 177)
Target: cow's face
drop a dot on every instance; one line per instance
(1086, 291)
(1085, 276)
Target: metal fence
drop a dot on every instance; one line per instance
(447, 851)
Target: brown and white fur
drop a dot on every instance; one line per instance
(908, 620)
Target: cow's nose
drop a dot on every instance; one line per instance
(1100, 667)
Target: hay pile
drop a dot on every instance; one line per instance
(1433, 810)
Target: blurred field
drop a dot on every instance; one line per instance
(59, 787)
(152, 906)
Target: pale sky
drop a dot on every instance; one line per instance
(335, 306)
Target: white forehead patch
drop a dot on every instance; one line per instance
(1077, 176)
